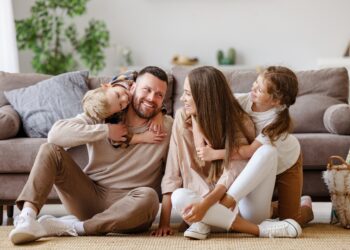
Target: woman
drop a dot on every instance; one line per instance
(194, 187)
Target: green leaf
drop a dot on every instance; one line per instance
(46, 34)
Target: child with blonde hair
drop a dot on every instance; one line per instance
(109, 102)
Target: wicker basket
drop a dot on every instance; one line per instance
(337, 179)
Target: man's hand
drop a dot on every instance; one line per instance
(194, 212)
(162, 231)
(117, 132)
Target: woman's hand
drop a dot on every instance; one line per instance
(162, 231)
(164, 220)
(194, 212)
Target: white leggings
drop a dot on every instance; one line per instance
(217, 215)
(253, 188)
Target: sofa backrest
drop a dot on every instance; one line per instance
(318, 90)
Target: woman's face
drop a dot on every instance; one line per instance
(187, 99)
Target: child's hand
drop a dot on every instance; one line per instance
(117, 132)
(156, 124)
(206, 153)
(151, 137)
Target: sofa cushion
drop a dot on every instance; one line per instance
(318, 90)
(336, 119)
(332, 82)
(9, 122)
(318, 147)
(18, 154)
(9, 81)
(42, 104)
(308, 111)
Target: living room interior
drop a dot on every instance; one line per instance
(310, 37)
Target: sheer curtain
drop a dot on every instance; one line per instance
(8, 44)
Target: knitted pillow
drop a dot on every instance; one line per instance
(42, 104)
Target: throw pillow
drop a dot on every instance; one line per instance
(42, 104)
(336, 119)
(10, 81)
(9, 122)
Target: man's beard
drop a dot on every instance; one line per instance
(136, 104)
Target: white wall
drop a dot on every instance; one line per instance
(8, 47)
(293, 33)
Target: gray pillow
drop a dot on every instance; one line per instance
(337, 119)
(42, 104)
(9, 122)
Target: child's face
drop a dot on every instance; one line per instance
(118, 98)
(260, 96)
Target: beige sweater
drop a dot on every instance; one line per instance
(138, 165)
(183, 168)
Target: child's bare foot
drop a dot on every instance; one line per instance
(306, 201)
(306, 209)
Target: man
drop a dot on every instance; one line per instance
(116, 190)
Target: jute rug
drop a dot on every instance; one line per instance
(315, 236)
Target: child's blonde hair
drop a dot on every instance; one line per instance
(95, 104)
(282, 85)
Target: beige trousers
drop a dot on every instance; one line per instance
(103, 210)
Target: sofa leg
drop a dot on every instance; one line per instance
(9, 211)
(1, 213)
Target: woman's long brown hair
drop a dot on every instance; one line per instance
(219, 115)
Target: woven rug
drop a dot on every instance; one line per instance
(315, 236)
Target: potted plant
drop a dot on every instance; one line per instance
(56, 44)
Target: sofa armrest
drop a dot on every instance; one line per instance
(336, 119)
(9, 122)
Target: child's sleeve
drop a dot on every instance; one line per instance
(263, 139)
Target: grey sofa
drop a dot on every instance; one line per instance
(321, 115)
